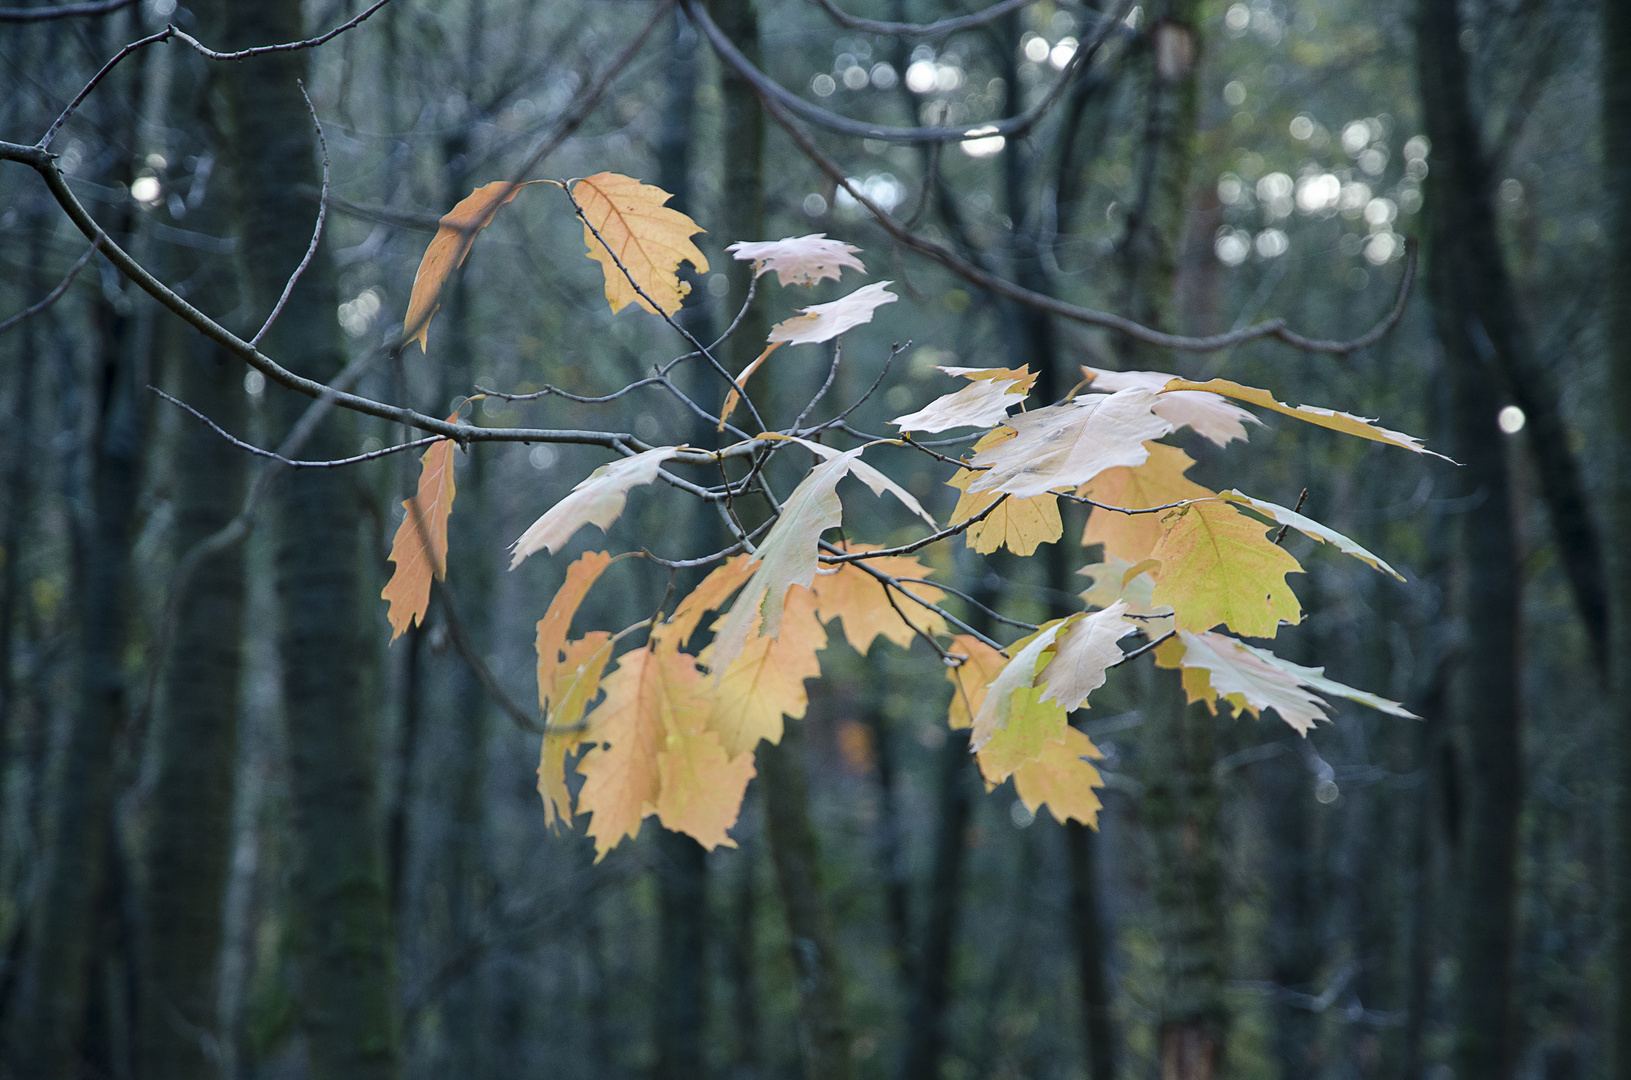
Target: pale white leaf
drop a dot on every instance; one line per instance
(798, 260)
(597, 500)
(878, 481)
(823, 322)
(1065, 446)
(1211, 415)
(1083, 653)
(1309, 527)
(982, 403)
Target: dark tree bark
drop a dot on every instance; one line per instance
(1616, 431)
(189, 834)
(347, 982)
(824, 1033)
(1464, 277)
(51, 998)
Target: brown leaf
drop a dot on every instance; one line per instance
(649, 239)
(420, 547)
(447, 251)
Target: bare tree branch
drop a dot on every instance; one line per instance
(317, 233)
(62, 11)
(51, 297)
(938, 28)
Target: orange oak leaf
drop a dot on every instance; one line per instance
(849, 593)
(709, 595)
(1062, 779)
(552, 628)
(766, 680)
(420, 546)
(1160, 481)
(621, 777)
(577, 682)
(1020, 525)
(648, 238)
(448, 248)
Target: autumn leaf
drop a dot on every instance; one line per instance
(1326, 418)
(420, 546)
(1311, 528)
(575, 686)
(597, 500)
(766, 680)
(1118, 581)
(866, 474)
(798, 260)
(448, 248)
(823, 322)
(982, 403)
(1065, 446)
(1001, 696)
(1083, 653)
(557, 621)
(621, 779)
(1032, 725)
(1209, 415)
(970, 678)
(1018, 524)
(851, 594)
(1160, 481)
(650, 239)
(701, 787)
(709, 595)
(1217, 566)
(740, 383)
(1062, 779)
(1253, 679)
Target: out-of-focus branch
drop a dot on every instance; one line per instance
(1273, 328)
(938, 28)
(293, 463)
(766, 87)
(62, 11)
(51, 297)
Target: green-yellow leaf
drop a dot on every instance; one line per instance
(1160, 481)
(1217, 566)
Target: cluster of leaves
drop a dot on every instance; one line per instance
(673, 732)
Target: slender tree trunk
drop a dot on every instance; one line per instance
(1616, 432)
(47, 1022)
(824, 1033)
(1460, 280)
(346, 993)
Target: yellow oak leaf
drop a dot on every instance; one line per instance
(596, 500)
(557, 621)
(1217, 566)
(454, 236)
(650, 239)
(711, 593)
(1158, 482)
(1032, 725)
(420, 546)
(1063, 780)
(702, 787)
(862, 601)
(765, 681)
(970, 678)
(578, 682)
(1018, 524)
(1346, 423)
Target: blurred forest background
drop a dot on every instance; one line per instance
(242, 836)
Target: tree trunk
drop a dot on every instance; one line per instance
(48, 1018)
(1463, 279)
(1617, 432)
(824, 1034)
(344, 937)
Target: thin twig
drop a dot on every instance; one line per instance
(317, 233)
(832, 373)
(1281, 535)
(293, 463)
(51, 297)
(939, 28)
(1146, 647)
(478, 667)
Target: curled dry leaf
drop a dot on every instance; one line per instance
(823, 322)
(1065, 446)
(454, 236)
(648, 238)
(597, 500)
(1083, 653)
(798, 260)
(1346, 423)
(419, 548)
(982, 403)
(1253, 679)
(1210, 415)
(1311, 528)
